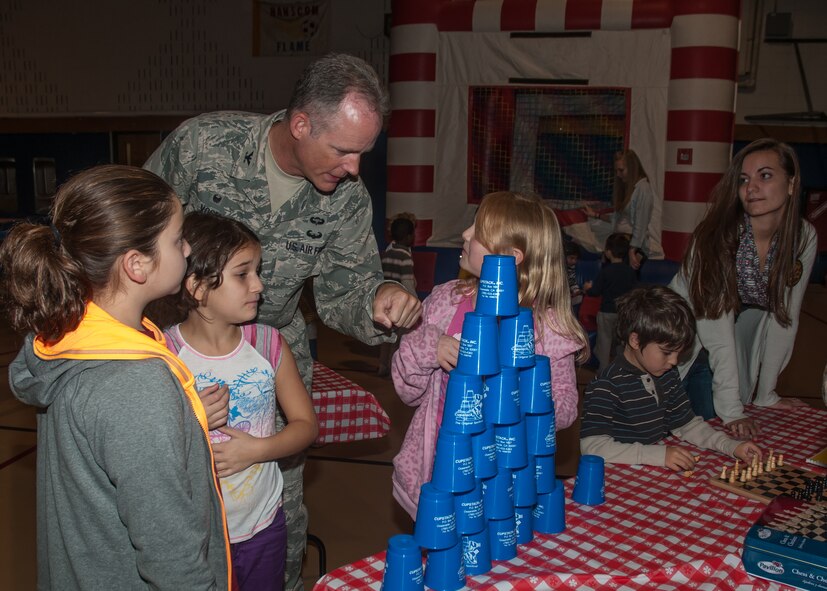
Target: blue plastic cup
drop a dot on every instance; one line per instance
(444, 570)
(498, 495)
(498, 291)
(484, 450)
(525, 485)
(541, 434)
(403, 565)
(511, 445)
(535, 387)
(476, 552)
(546, 473)
(550, 511)
(524, 523)
(589, 484)
(462, 412)
(436, 524)
(503, 536)
(501, 403)
(478, 345)
(517, 339)
(453, 462)
(468, 509)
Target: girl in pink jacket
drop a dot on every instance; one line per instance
(506, 223)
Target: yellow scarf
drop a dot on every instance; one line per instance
(100, 336)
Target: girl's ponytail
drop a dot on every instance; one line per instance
(43, 289)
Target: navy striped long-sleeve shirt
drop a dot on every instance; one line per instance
(632, 406)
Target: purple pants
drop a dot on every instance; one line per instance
(258, 563)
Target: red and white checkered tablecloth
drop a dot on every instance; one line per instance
(657, 529)
(345, 411)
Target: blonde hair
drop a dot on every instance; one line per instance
(507, 220)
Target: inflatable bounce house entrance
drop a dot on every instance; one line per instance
(538, 95)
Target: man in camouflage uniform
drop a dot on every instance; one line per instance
(293, 178)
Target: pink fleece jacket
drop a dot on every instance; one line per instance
(418, 379)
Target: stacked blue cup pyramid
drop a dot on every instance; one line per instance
(493, 482)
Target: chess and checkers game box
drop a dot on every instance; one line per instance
(788, 544)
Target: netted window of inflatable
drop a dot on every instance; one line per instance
(558, 143)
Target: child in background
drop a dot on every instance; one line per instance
(397, 265)
(639, 398)
(220, 295)
(615, 278)
(506, 223)
(572, 256)
(127, 495)
(397, 262)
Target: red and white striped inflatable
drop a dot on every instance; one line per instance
(679, 57)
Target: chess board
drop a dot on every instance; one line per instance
(798, 518)
(784, 480)
(788, 544)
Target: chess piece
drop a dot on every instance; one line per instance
(723, 473)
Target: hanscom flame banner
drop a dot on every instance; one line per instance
(291, 28)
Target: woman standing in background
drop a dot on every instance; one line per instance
(636, 210)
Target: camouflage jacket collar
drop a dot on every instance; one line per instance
(252, 159)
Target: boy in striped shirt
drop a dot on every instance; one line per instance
(397, 265)
(632, 405)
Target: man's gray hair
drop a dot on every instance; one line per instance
(328, 80)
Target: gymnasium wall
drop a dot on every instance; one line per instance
(99, 57)
(62, 57)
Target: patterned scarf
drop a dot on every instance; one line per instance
(753, 283)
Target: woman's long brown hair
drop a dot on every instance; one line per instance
(709, 263)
